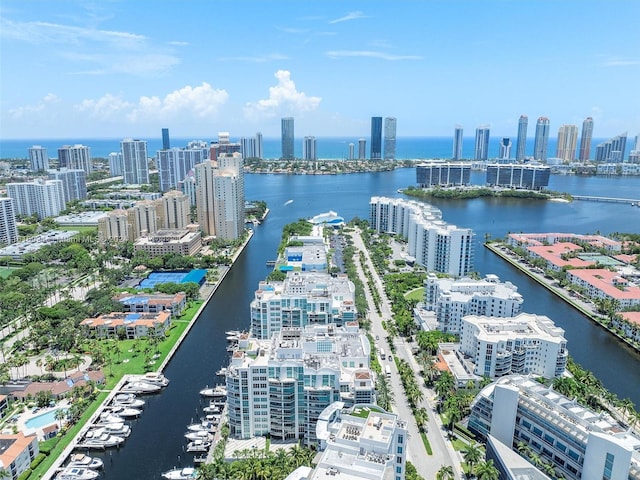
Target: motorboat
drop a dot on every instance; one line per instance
(140, 387)
(233, 333)
(100, 442)
(180, 473)
(155, 378)
(204, 426)
(119, 429)
(213, 408)
(199, 445)
(222, 372)
(80, 460)
(77, 474)
(107, 418)
(219, 392)
(198, 435)
(198, 459)
(125, 412)
(127, 400)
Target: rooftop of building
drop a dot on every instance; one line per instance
(150, 298)
(12, 445)
(35, 243)
(553, 254)
(610, 283)
(567, 414)
(125, 319)
(632, 317)
(82, 218)
(317, 347)
(522, 325)
(311, 284)
(464, 288)
(542, 238)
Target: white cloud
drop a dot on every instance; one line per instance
(108, 51)
(370, 54)
(621, 62)
(39, 108)
(349, 16)
(106, 107)
(283, 98)
(178, 43)
(201, 101)
(257, 58)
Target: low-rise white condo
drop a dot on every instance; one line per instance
(578, 442)
(525, 344)
(363, 442)
(451, 299)
(435, 244)
(279, 387)
(301, 299)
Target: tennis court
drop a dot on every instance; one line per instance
(155, 278)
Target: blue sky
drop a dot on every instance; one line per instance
(113, 69)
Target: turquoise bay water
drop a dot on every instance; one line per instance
(328, 147)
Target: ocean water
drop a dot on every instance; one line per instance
(328, 147)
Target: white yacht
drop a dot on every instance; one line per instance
(77, 474)
(100, 441)
(119, 429)
(107, 418)
(198, 435)
(198, 445)
(140, 387)
(127, 400)
(155, 378)
(203, 426)
(214, 407)
(180, 473)
(125, 412)
(217, 392)
(80, 460)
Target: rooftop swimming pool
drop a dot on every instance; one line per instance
(43, 419)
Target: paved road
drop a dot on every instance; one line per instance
(443, 452)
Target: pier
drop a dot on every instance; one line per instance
(589, 198)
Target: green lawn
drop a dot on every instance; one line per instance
(6, 271)
(77, 229)
(415, 294)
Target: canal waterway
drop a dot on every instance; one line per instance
(157, 444)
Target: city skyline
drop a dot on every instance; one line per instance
(88, 70)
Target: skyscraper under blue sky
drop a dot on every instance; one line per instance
(288, 152)
(390, 125)
(585, 139)
(542, 139)
(376, 138)
(166, 144)
(521, 144)
(457, 143)
(482, 143)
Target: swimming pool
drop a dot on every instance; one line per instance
(43, 419)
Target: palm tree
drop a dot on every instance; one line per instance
(385, 396)
(472, 454)
(444, 385)
(486, 470)
(445, 473)
(422, 418)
